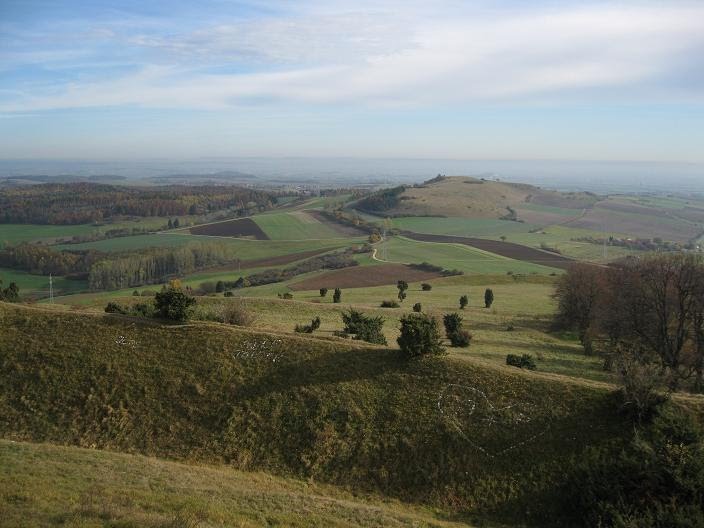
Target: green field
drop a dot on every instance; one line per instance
(563, 211)
(12, 234)
(39, 284)
(453, 256)
(470, 227)
(293, 226)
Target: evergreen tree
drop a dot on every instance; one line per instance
(488, 298)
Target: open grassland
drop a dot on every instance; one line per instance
(453, 256)
(294, 226)
(440, 431)
(45, 485)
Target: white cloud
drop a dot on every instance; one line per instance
(400, 57)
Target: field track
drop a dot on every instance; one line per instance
(505, 249)
(364, 276)
(242, 227)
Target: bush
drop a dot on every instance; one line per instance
(219, 286)
(461, 338)
(135, 293)
(143, 310)
(173, 304)
(286, 295)
(488, 297)
(228, 294)
(640, 383)
(363, 327)
(417, 307)
(207, 287)
(235, 313)
(525, 361)
(401, 295)
(426, 287)
(464, 301)
(337, 295)
(323, 292)
(309, 328)
(452, 323)
(419, 335)
(113, 307)
(389, 304)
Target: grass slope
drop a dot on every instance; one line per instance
(438, 431)
(45, 485)
(293, 226)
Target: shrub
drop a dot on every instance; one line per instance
(309, 328)
(488, 297)
(228, 294)
(143, 310)
(173, 304)
(452, 322)
(286, 295)
(426, 287)
(389, 304)
(135, 293)
(113, 307)
(401, 295)
(461, 338)
(323, 292)
(464, 301)
(207, 287)
(640, 383)
(417, 307)
(11, 293)
(236, 313)
(219, 286)
(363, 327)
(337, 295)
(525, 361)
(419, 335)
(341, 333)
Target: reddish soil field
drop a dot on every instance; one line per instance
(336, 226)
(505, 249)
(240, 228)
(364, 276)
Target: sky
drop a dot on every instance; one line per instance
(506, 80)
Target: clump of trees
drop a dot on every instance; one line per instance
(9, 294)
(420, 335)
(648, 310)
(41, 260)
(454, 331)
(363, 327)
(173, 303)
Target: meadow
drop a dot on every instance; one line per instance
(294, 226)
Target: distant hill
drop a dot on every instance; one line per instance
(438, 431)
(467, 197)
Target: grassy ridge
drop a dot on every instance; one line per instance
(47, 485)
(439, 431)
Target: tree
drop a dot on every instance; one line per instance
(452, 323)
(419, 335)
(402, 286)
(417, 307)
(401, 295)
(464, 301)
(323, 292)
(219, 286)
(337, 295)
(461, 338)
(176, 223)
(170, 225)
(173, 304)
(577, 293)
(503, 238)
(488, 298)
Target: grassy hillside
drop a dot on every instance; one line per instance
(466, 197)
(45, 485)
(439, 431)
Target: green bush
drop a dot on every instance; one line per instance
(419, 335)
(228, 294)
(461, 338)
(337, 295)
(114, 307)
(488, 297)
(464, 301)
(173, 304)
(309, 328)
(363, 327)
(417, 307)
(323, 292)
(286, 295)
(452, 323)
(426, 287)
(525, 361)
(389, 304)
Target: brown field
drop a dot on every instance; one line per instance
(364, 276)
(505, 249)
(240, 228)
(336, 226)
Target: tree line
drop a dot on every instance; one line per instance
(81, 203)
(638, 313)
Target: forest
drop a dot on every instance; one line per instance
(81, 203)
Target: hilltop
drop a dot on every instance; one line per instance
(466, 197)
(453, 434)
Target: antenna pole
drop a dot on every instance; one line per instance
(51, 289)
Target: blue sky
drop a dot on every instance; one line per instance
(581, 80)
